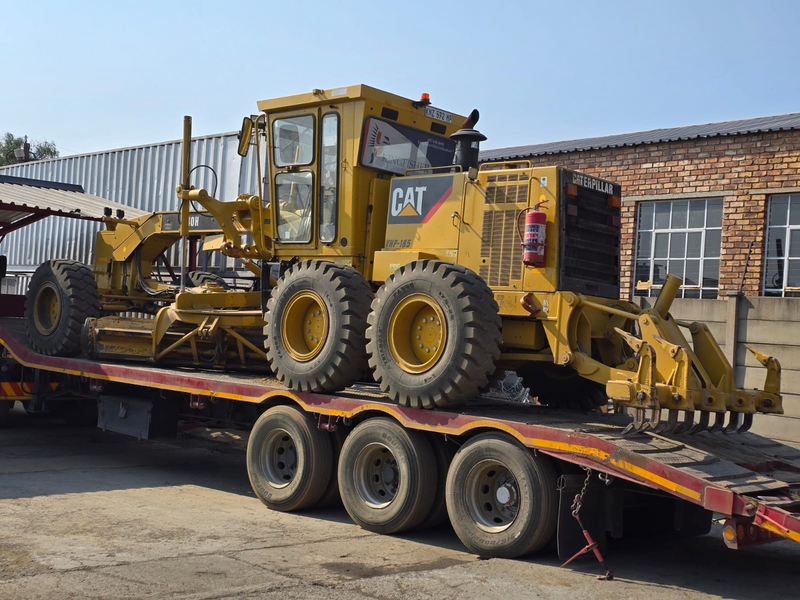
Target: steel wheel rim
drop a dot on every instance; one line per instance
(376, 475)
(417, 333)
(46, 308)
(278, 458)
(304, 325)
(492, 496)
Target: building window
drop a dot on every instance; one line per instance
(782, 269)
(682, 238)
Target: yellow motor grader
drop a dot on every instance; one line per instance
(131, 272)
(383, 247)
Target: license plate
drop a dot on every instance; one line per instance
(439, 115)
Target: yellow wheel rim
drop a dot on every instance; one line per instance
(46, 309)
(304, 325)
(417, 333)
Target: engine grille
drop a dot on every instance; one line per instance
(590, 244)
(506, 194)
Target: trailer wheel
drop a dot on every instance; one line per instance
(5, 410)
(444, 452)
(331, 497)
(61, 295)
(387, 476)
(288, 459)
(434, 334)
(501, 499)
(315, 324)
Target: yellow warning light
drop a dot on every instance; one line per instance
(729, 533)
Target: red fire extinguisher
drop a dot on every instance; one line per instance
(535, 239)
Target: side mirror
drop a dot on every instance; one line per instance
(244, 136)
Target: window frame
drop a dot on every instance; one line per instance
(275, 148)
(321, 167)
(278, 207)
(399, 126)
(695, 291)
(784, 291)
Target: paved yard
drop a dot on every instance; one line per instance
(86, 514)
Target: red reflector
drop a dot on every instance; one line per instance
(614, 201)
(572, 210)
(572, 189)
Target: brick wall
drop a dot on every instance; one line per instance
(741, 169)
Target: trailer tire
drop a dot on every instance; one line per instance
(61, 295)
(444, 452)
(5, 410)
(288, 459)
(331, 496)
(331, 303)
(387, 476)
(454, 312)
(502, 500)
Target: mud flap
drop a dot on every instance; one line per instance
(569, 536)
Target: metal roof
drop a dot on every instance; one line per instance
(24, 201)
(653, 136)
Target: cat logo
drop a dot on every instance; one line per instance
(417, 199)
(407, 202)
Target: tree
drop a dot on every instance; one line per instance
(38, 149)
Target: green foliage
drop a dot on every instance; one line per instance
(39, 149)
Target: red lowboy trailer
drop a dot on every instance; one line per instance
(507, 474)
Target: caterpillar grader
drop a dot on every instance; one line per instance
(384, 249)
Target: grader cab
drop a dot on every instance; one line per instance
(383, 247)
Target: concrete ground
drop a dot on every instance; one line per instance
(87, 514)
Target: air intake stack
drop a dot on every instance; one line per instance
(468, 143)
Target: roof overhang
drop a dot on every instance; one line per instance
(24, 201)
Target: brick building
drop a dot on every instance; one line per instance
(717, 204)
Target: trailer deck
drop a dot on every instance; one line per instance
(749, 478)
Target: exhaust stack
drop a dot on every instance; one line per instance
(468, 142)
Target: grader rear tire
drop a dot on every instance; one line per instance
(434, 334)
(502, 500)
(315, 324)
(62, 294)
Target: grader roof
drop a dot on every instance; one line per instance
(24, 201)
(351, 92)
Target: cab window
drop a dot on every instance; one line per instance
(294, 141)
(329, 178)
(294, 196)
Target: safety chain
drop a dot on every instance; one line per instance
(591, 545)
(577, 503)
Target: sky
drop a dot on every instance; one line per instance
(94, 76)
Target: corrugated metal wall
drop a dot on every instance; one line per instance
(142, 176)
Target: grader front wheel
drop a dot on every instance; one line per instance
(315, 326)
(434, 334)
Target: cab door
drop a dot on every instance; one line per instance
(294, 178)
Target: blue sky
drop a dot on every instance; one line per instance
(100, 75)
